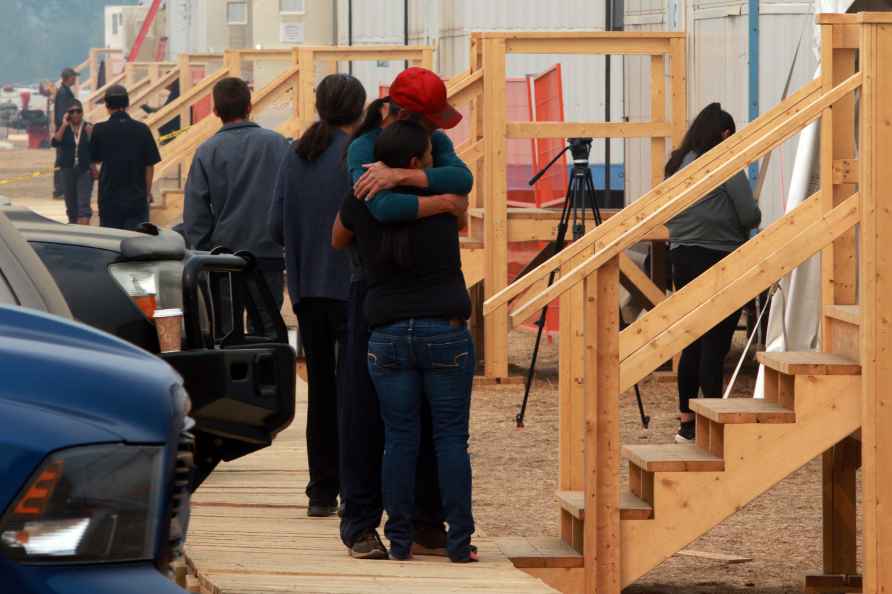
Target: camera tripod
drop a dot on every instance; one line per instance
(580, 202)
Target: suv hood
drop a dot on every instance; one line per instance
(131, 245)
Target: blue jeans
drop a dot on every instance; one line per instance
(410, 361)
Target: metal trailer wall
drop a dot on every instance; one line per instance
(717, 48)
(447, 25)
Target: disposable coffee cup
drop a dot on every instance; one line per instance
(169, 324)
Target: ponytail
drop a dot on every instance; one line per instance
(314, 141)
(339, 101)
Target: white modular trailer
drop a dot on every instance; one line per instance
(718, 70)
(447, 25)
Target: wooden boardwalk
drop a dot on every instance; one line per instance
(250, 534)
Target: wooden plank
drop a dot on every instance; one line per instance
(638, 283)
(729, 297)
(735, 411)
(495, 236)
(580, 44)
(833, 584)
(657, 196)
(710, 556)
(850, 314)
(757, 457)
(845, 171)
(602, 456)
(629, 228)
(673, 458)
(184, 103)
(844, 339)
(588, 129)
(631, 507)
(809, 363)
(529, 552)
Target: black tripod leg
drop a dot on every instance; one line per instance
(532, 371)
(645, 419)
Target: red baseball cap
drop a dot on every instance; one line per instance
(421, 91)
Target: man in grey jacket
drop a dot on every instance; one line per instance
(231, 183)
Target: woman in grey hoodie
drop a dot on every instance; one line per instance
(698, 238)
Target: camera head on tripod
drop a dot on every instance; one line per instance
(580, 148)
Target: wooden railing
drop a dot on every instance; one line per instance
(610, 361)
(490, 123)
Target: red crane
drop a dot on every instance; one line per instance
(144, 30)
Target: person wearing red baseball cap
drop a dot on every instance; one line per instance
(418, 94)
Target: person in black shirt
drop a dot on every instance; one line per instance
(128, 154)
(420, 348)
(61, 103)
(73, 141)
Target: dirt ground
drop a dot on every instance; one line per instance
(515, 474)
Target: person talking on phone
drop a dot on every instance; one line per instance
(72, 139)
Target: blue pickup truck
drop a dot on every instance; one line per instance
(96, 454)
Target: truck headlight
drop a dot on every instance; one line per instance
(151, 285)
(86, 505)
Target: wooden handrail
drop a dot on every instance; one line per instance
(632, 229)
(196, 93)
(653, 198)
(162, 83)
(733, 282)
(98, 93)
(183, 146)
(466, 89)
(273, 88)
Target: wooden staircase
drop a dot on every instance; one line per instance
(743, 448)
(831, 404)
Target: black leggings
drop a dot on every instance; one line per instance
(702, 363)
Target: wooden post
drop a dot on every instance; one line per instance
(129, 75)
(306, 82)
(602, 520)
(232, 61)
(185, 84)
(679, 90)
(475, 118)
(94, 68)
(875, 189)
(839, 492)
(495, 203)
(427, 58)
(838, 274)
(572, 398)
(657, 114)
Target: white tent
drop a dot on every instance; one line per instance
(794, 319)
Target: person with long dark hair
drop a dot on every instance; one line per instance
(420, 351)
(312, 183)
(699, 238)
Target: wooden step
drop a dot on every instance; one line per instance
(539, 552)
(809, 363)
(833, 583)
(630, 506)
(673, 458)
(851, 314)
(739, 411)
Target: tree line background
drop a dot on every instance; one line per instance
(38, 38)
